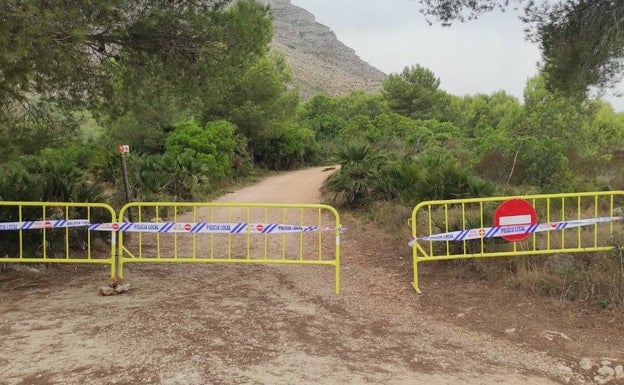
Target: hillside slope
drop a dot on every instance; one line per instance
(319, 61)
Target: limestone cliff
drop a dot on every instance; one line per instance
(319, 61)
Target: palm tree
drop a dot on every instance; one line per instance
(357, 180)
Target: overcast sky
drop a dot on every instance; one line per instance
(483, 56)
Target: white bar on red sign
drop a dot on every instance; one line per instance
(514, 220)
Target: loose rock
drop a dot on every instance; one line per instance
(19, 268)
(565, 371)
(619, 372)
(586, 363)
(122, 288)
(107, 290)
(606, 371)
(114, 288)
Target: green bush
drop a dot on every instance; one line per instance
(212, 146)
(102, 164)
(294, 147)
(542, 163)
(398, 181)
(43, 178)
(48, 177)
(360, 127)
(357, 181)
(326, 126)
(442, 177)
(179, 177)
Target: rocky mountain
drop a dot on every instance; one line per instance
(319, 61)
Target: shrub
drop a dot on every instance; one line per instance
(442, 177)
(295, 146)
(398, 181)
(176, 176)
(212, 146)
(542, 163)
(357, 181)
(49, 178)
(360, 127)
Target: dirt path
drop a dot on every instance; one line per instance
(250, 324)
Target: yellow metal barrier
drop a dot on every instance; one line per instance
(571, 222)
(177, 232)
(55, 232)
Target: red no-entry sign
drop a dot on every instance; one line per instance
(515, 212)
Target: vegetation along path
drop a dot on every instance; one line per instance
(232, 324)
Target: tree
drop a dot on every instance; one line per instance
(357, 181)
(414, 92)
(360, 127)
(361, 103)
(480, 112)
(547, 114)
(447, 11)
(44, 126)
(260, 103)
(581, 42)
(105, 52)
(295, 146)
(606, 127)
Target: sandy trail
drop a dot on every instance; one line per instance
(249, 324)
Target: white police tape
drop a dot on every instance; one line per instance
(500, 231)
(206, 228)
(167, 227)
(49, 224)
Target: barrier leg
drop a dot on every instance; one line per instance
(415, 283)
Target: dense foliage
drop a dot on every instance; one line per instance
(417, 142)
(195, 92)
(190, 86)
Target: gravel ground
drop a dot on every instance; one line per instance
(268, 324)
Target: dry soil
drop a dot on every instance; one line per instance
(253, 324)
